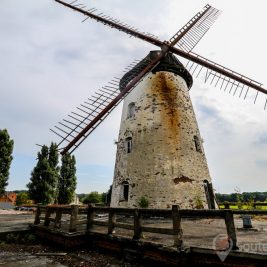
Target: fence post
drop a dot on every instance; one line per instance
(211, 195)
(226, 205)
(111, 221)
(230, 227)
(58, 218)
(73, 218)
(37, 215)
(90, 217)
(137, 225)
(177, 230)
(48, 212)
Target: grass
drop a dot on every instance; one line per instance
(244, 207)
(18, 238)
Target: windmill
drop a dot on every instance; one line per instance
(159, 155)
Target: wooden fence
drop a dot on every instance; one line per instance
(88, 219)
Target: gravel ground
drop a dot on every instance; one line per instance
(14, 212)
(12, 255)
(15, 221)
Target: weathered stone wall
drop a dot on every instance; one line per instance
(164, 165)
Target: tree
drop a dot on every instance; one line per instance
(53, 156)
(53, 162)
(108, 196)
(67, 180)
(6, 149)
(246, 197)
(22, 199)
(93, 197)
(44, 177)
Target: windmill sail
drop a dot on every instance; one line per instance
(113, 23)
(219, 75)
(218, 79)
(90, 114)
(195, 29)
(186, 38)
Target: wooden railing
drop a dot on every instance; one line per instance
(86, 216)
(43, 213)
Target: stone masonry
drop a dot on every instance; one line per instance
(160, 156)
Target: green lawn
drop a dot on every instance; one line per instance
(245, 207)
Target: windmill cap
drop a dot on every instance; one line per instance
(169, 63)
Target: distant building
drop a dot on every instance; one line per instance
(76, 201)
(8, 200)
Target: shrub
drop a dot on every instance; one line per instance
(198, 200)
(199, 203)
(143, 202)
(93, 197)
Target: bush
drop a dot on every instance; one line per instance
(93, 197)
(20, 238)
(23, 199)
(250, 203)
(143, 202)
(12, 238)
(199, 203)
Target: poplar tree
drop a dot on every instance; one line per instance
(6, 149)
(53, 158)
(67, 180)
(44, 177)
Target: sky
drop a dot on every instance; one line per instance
(50, 62)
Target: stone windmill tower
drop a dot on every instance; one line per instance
(160, 155)
(159, 152)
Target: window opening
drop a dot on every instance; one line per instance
(128, 145)
(131, 110)
(124, 193)
(197, 144)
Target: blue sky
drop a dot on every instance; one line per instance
(51, 62)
